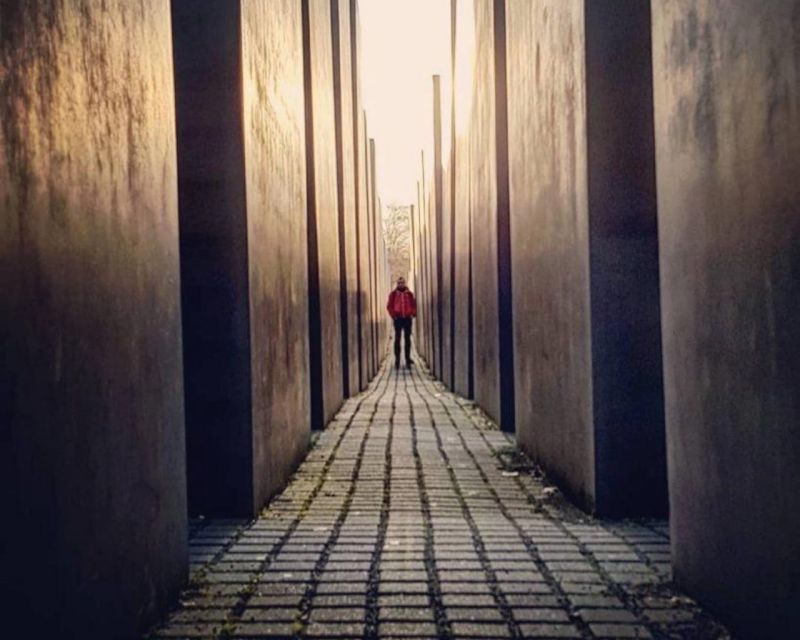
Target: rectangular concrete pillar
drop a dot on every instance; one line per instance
(463, 85)
(435, 303)
(93, 487)
(727, 122)
(428, 246)
(413, 269)
(419, 275)
(447, 284)
(438, 226)
(370, 255)
(493, 368)
(365, 252)
(360, 195)
(241, 155)
(324, 274)
(584, 246)
(375, 229)
(449, 215)
(342, 41)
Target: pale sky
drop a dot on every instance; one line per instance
(405, 42)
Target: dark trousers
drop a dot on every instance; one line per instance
(402, 326)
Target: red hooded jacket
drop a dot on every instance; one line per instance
(402, 304)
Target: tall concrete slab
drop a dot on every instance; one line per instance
(375, 230)
(431, 262)
(341, 26)
(463, 35)
(437, 211)
(434, 275)
(364, 252)
(276, 232)
(584, 248)
(213, 257)
(447, 284)
(627, 386)
(419, 279)
(421, 285)
(324, 287)
(483, 193)
(360, 196)
(549, 220)
(94, 536)
(727, 122)
(369, 285)
(243, 248)
(449, 215)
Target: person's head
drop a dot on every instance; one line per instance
(401, 283)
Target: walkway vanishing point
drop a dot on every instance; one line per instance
(413, 516)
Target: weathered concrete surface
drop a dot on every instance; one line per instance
(549, 221)
(420, 280)
(727, 96)
(375, 228)
(449, 212)
(505, 336)
(344, 95)
(214, 261)
(365, 255)
(627, 388)
(483, 195)
(420, 285)
(93, 453)
(429, 293)
(243, 242)
(462, 309)
(437, 210)
(447, 286)
(276, 233)
(586, 314)
(359, 178)
(323, 216)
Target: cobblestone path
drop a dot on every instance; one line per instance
(414, 517)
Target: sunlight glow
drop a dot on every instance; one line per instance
(465, 28)
(404, 43)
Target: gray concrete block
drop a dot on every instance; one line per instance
(325, 336)
(586, 310)
(437, 194)
(343, 58)
(94, 540)
(367, 364)
(462, 289)
(728, 139)
(483, 209)
(243, 243)
(272, 48)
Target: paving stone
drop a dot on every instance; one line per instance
(262, 630)
(257, 614)
(327, 629)
(338, 614)
(619, 631)
(405, 614)
(473, 630)
(407, 629)
(325, 545)
(550, 631)
(540, 615)
(475, 614)
(606, 615)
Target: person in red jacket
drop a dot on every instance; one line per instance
(403, 308)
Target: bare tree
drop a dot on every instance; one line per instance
(397, 233)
